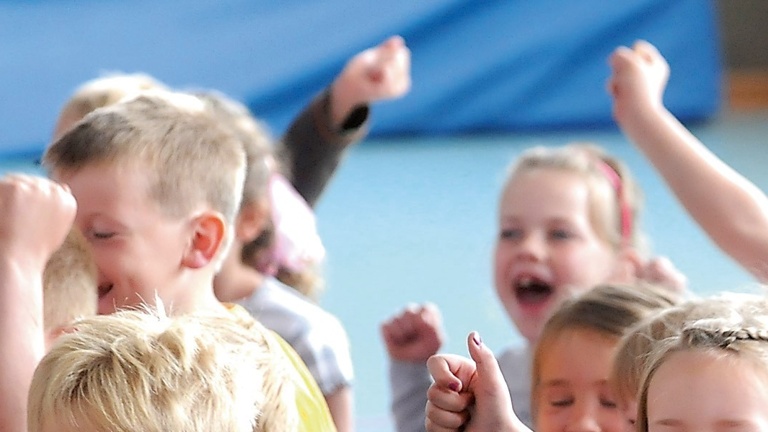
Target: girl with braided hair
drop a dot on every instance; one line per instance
(710, 375)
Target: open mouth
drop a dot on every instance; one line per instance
(105, 289)
(532, 291)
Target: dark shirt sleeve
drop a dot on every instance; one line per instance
(312, 148)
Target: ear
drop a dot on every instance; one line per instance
(208, 236)
(251, 220)
(628, 267)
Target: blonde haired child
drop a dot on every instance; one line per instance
(158, 183)
(731, 210)
(570, 374)
(140, 370)
(712, 372)
(100, 92)
(568, 220)
(632, 355)
(69, 285)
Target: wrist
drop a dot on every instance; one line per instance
(345, 104)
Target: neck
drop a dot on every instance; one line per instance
(236, 280)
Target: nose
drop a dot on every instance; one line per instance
(532, 247)
(584, 418)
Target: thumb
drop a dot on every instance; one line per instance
(489, 386)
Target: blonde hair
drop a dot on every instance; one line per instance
(189, 157)
(608, 310)
(728, 325)
(69, 283)
(632, 355)
(100, 92)
(144, 371)
(616, 221)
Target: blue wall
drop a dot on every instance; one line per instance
(478, 66)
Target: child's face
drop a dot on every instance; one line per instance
(700, 391)
(547, 249)
(573, 392)
(137, 249)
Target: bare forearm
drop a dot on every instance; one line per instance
(731, 209)
(21, 339)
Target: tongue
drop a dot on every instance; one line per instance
(534, 293)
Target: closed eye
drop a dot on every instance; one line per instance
(560, 234)
(510, 234)
(561, 402)
(102, 235)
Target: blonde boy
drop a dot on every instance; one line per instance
(101, 92)
(143, 371)
(158, 184)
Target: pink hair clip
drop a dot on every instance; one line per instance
(297, 242)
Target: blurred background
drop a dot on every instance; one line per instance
(411, 215)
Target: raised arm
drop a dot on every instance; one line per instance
(316, 140)
(35, 216)
(730, 208)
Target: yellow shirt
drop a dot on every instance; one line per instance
(310, 402)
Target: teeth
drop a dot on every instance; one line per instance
(525, 282)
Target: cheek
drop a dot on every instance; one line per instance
(614, 421)
(584, 268)
(500, 264)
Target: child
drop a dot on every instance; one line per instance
(309, 153)
(144, 371)
(571, 366)
(316, 335)
(730, 209)
(714, 372)
(632, 355)
(158, 184)
(101, 92)
(568, 220)
(35, 216)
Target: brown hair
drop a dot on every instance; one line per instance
(609, 310)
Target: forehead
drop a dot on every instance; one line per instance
(696, 387)
(545, 189)
(107, 184)
(576, 355)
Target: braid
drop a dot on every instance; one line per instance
(722, 337)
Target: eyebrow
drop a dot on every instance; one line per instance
(720, 424)
(558, 382)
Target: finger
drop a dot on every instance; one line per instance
(646, 50)
(620, 58)
(450, 371)
(393, 42)
(488, 374)
(442, 420)
(449, 400)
